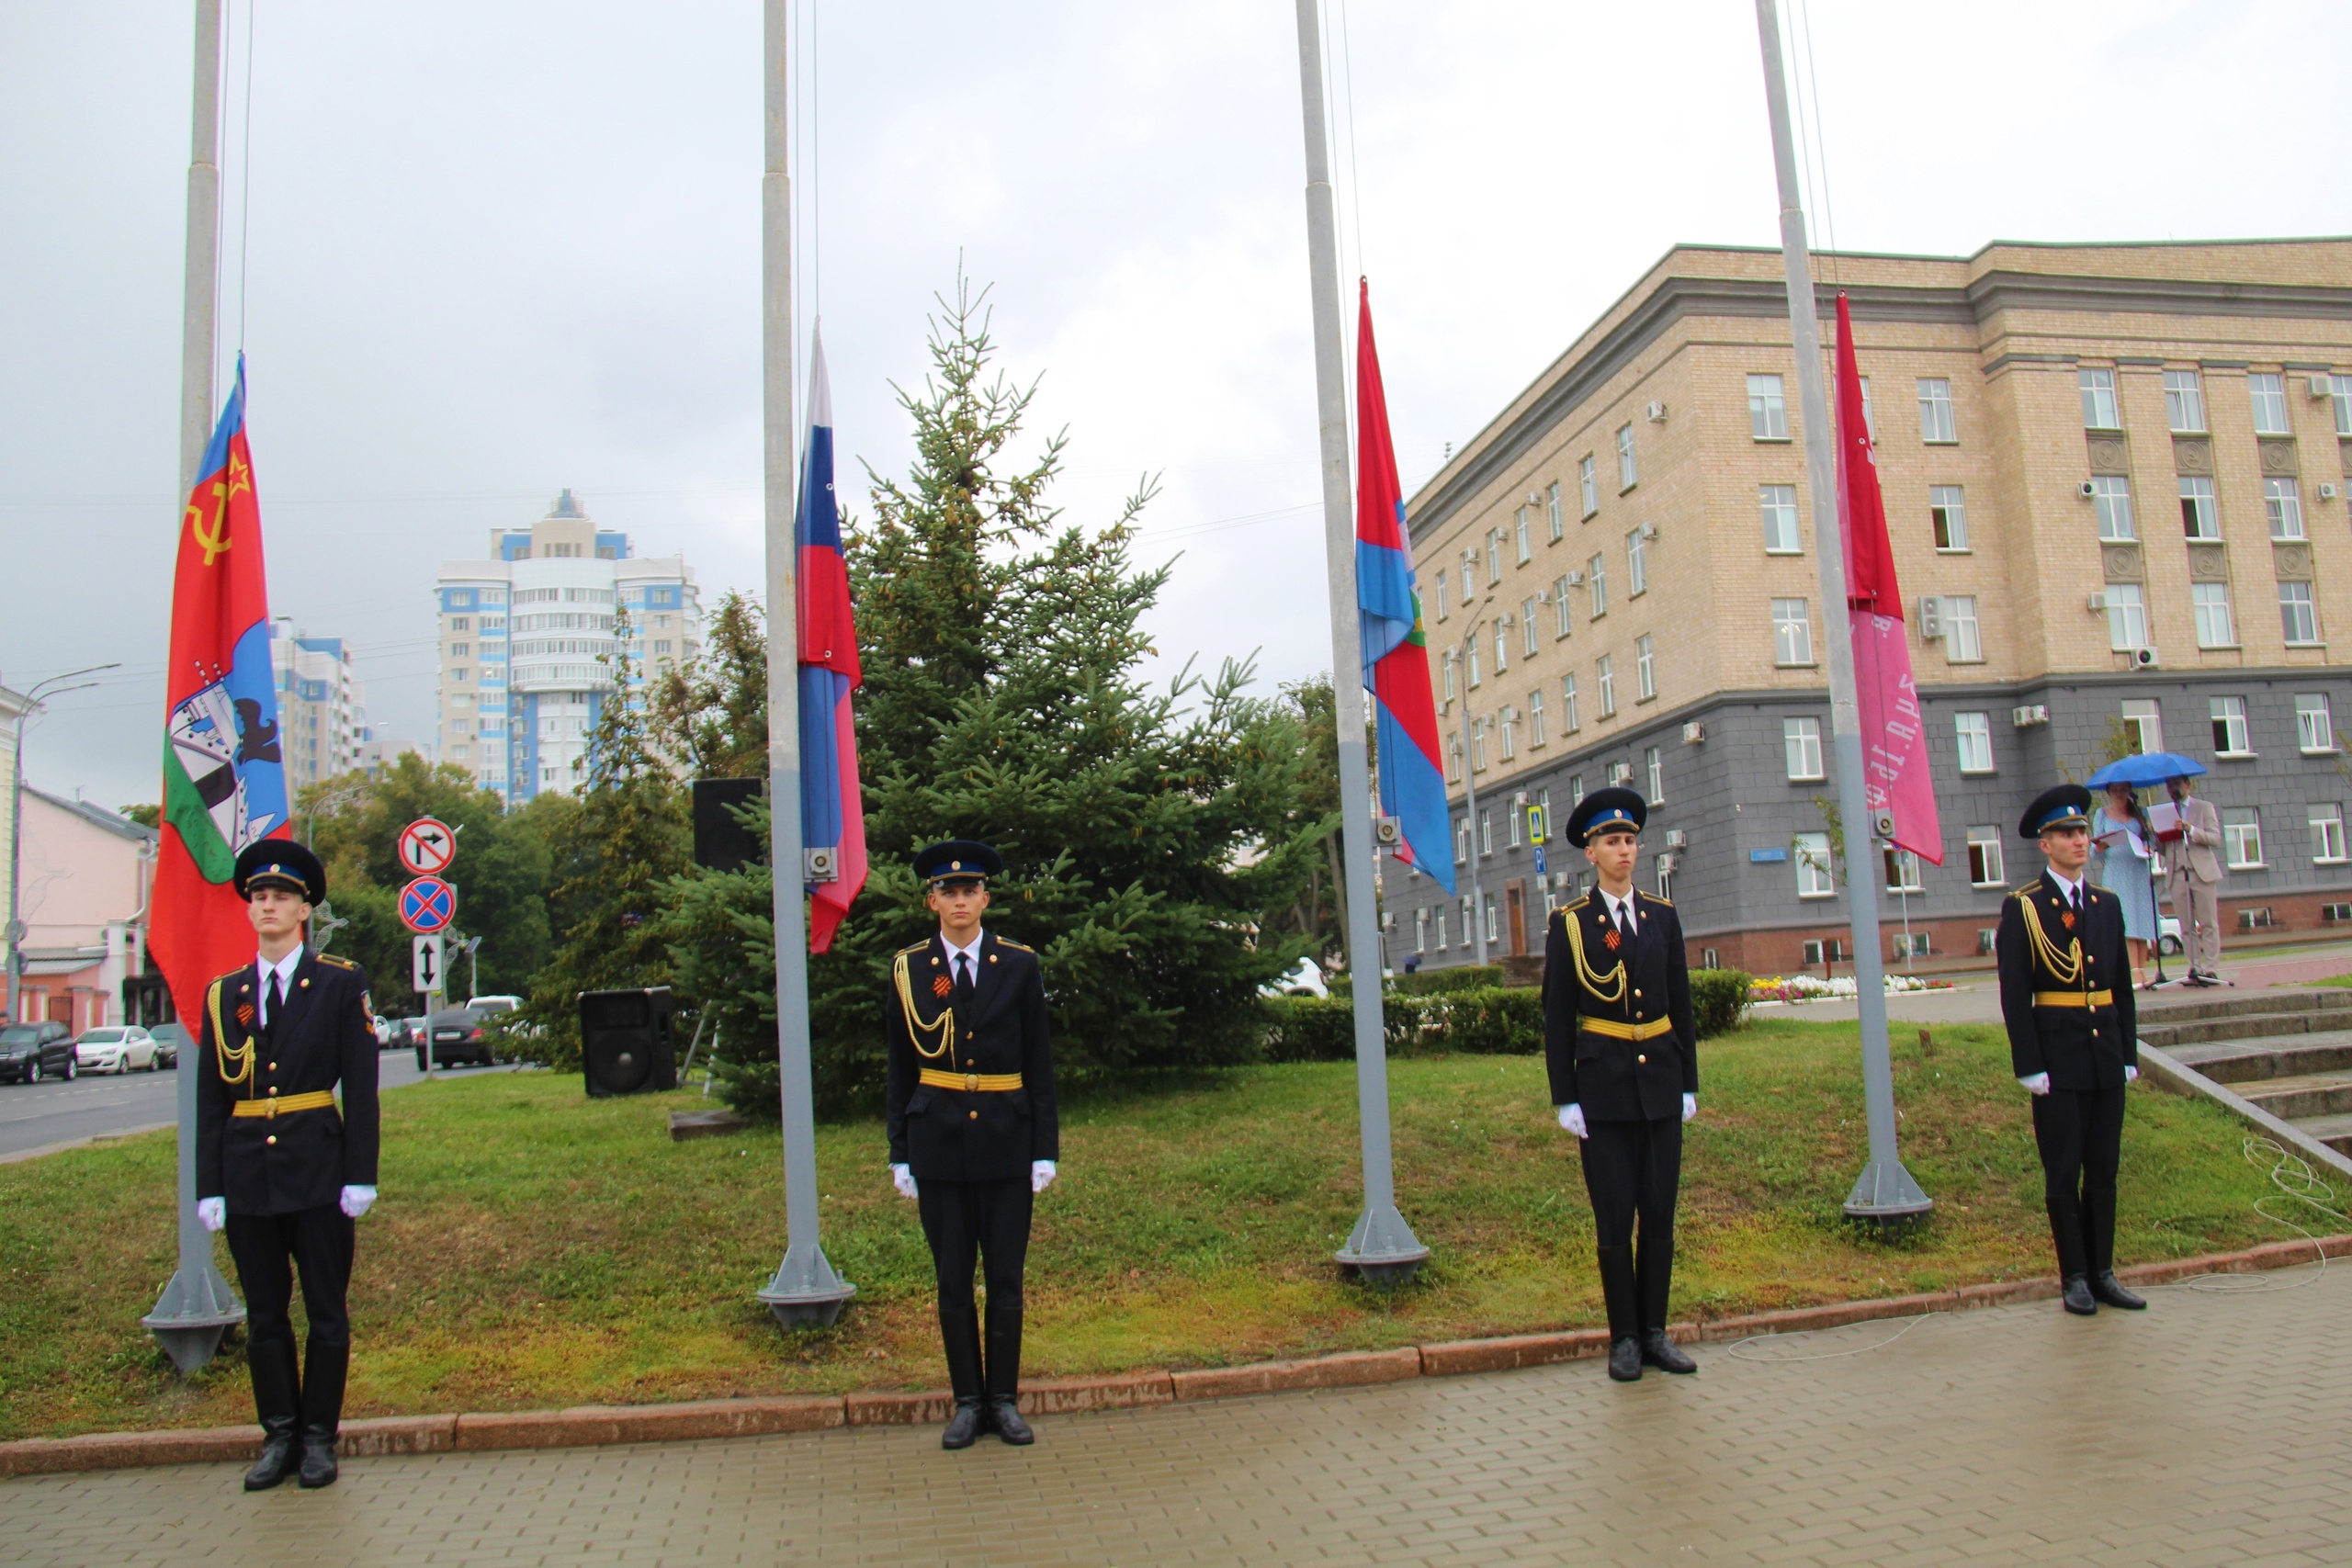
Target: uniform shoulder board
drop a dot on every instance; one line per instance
(1654, 898)
(1017, 947)
(224, 979)
(1579, 904)
(906, 951)
(339, 963)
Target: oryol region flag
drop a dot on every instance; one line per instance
(1895, 748)
(833, 812)
(1395, 653)
(224, 785)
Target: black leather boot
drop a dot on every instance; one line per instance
(324, 1368)
(1004, 1376)
(2110, 1291)
(959, 1335)
(277, 1460)
(1625, 1313)
(1654, 1274)
(2078, 1296)
(278, 1402)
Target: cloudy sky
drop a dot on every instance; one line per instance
(497, 248)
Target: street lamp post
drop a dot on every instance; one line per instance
(34, 698)
(1461, 657)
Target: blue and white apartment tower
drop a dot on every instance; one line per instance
(526, 640)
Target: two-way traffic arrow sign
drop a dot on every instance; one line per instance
(425, 962)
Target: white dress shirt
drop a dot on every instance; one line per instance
(284, 969)
(2073, 890)
(1621, 913)
(971, 952)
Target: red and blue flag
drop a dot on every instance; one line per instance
(833, 811)
(1396, 652)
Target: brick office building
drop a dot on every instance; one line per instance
(2115, 479)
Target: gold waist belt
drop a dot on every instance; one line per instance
(2073, 998)
(1616, 1030)
(982, 1083)
(317, 1100)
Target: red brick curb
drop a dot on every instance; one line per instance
(596, 1424)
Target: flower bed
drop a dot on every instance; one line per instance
(1814, 989)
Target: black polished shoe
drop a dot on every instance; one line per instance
(276, 1462)
(2078, 1296)
(1006, 1418)
(964, 1427)
(318, 1461)
(1625, 1360)
(1663, 1353)
(2104, 1286)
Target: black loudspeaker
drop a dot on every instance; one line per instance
(721, 843)
(624, 1041)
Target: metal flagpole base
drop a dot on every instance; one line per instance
(806, 1292)
(1381, 1249)
(191, 1316)
(1886, 1194)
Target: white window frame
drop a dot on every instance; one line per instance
(1767, 407)
(1477, 745)
(2127, 616)
(1516, 823)
(1509, 725)
(1555, 521)
(1973, 743)
(1963, 634)
(2200, 508)
(2242, 837)
(2326, 821)
(1443, 610)
(2298, 614)
(2266, 390)
(1502, 643)
(1486, 831)
(1530, 629)
(1494, 921)
(1637, 568)
(1653, 773)
(1816, 875)
(2102, 408)
(1564, 612)
(1569, 720)
(2339, 393)
(1449, 663)
(1644, 669)
(1608, 678)
(1948, 519)
(1801, 749)
(1902, 873)
(2185, 402)
(2282, 505)
(1938, 423)
(1494, 556)
(1421, 929)
(1535, 718)
(1476, 674)
(2314, 724)
(2112, 500)
(2144, 719)
(1629, 473)
(1462, 841)
(2231, 736)
(1793, 634)
(1439, 910)
(1597, 583)
(1524, 534)
(1777, 505)
(1986, 865)
(1454, 759)
(1589, 484)
(2210, 605)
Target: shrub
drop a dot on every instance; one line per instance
(1310, 1029)
(1492, 1020)
(1719, 1000)
(1484, 1020)
(1434, 982)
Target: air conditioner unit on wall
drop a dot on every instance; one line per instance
(2323, 387)
(2144, 658)
(1649, 531)
(1575, 579)
(2087, 490)
(1931, 617)
(1676, 839)
(1693, 733)
(2098, 601)
(1655, 413)
(2029, 714)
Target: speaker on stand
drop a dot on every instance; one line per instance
(624, 1041)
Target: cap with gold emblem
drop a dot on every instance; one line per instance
(958, 861)
(280, 863)
(1610, 810)
(2060, 805)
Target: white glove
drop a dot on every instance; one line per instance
(2129, 1072)
(1572, 1119)
(212, 1212)
(2036, 1083)
(1689, 1106)
(902, 1177)
(1041, 1175)
(356, 1200)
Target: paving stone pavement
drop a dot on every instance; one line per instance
(2215, 1429)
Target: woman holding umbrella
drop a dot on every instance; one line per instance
(2126, 854)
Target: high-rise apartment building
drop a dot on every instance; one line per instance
(2115, 481)
(527, 641)
(321, 705)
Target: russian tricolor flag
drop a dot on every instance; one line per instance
(1396, 654)
(832, 813)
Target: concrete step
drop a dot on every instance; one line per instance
(2278, 1056)
(2160, 1031)
(2304, 1096)
(2177, 1005)
(2335, 1132)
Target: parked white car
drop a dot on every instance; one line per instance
(1307, 980)
(116, 1048)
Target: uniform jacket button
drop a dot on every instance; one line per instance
(1642, 1059)
(271, 1139)
(973, 1114)
(1637, 995)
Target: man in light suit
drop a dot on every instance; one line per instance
(2195, 866)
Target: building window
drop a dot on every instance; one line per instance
(1569, 722)
(1814, 878)
(2201, 516)
(1608, 689)
(1502, 643)
(1563, 609)
(1421, 930)
(2314, 727)
(2144, 725)
(1972, 735)
(1448, 664)
(1654, 770)
(1494, 556)
(461, 650)
(1461, 842)
(2211, 601)
(1801, 741)
(1948, 511)
(1443, 610)
(1529, 627)
(1984, 868)
(458, 672)
(1902, 875)
(1454, 760)
(1494, 928)
(1936, 423)
(1768, 409)
(2100, 410)
(1469, 575)
(2112, 496)
(2184, 403)
(2127, 618)
(1587, 485)
(1508, 720)
(1487, 833)
(2298, 615)
(1543, 811)
(1637, 570)
(1778, 505)
(2339, 392)
(462, 623)
(1963, 639)
(1666, 878)
(1870, 420)
(2269, 392)
(2242, 837)
(2327, 833)
(1536, 718)
(1627, 474)
(1440, 922)
(2229, 737)
(1524, 534)
(1478, 745)
(2283, 499)
(1791, 633)
(1644, 669)
(1471, 645)
(1596, 580)
(1575, 790)
(1552, 511)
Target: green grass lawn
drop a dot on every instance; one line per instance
(534, 1248)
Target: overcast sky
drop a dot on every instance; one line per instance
(498, 248)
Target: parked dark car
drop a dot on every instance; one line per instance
(31, 1052)
(453, 1037)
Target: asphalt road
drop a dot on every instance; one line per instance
(35, 1118)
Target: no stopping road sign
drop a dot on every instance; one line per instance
(428, 905)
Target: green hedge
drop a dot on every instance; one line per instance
(1431, 982)
(1719, 999)
(1500, 1021)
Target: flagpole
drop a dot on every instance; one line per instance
(805, 1291)
(1885, 1190)
(196, 1304)
(1382, 1247)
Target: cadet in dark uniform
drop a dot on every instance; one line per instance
(2074, 1040)
(974, 1133)
(277, 1162)
(1623, 1056)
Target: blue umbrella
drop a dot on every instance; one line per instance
(2148, 768)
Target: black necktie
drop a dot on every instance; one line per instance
(963, 977)
(277, 1000)
(2078, 897)
(1625, 920)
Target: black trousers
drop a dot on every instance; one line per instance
(270, 1249)
(1632, 1169)
(977, 1222)
(2080, 1135)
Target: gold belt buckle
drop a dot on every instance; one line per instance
(270, 1114)
(972, 1082)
